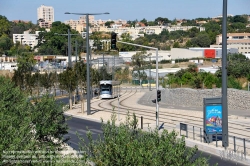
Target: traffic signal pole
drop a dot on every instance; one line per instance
(157, 77)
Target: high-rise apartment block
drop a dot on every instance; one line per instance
(45, 16)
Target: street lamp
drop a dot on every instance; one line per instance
(88, 54)
(69, 45)
(224, 78)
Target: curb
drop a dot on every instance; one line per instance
(85, 118)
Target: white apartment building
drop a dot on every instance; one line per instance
(26, 38)
(183, 28)
(46, 16)
(241, 41)
(96, 25)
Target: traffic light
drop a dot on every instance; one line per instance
(154, 101)
(158, 95)
(113, 41)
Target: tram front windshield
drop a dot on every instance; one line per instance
(105, 89)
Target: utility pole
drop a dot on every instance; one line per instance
(77, 93)
(69, 49)
(149, 73)
(224, 78)
(103, 66)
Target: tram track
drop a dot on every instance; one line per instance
(166, 117)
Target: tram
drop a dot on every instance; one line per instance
(109, 89)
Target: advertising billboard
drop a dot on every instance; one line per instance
(209, 53)
(213, 119)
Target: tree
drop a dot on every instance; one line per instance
(108, 23)
(125, 37)
(193, 32)
(23, 73)
(139, 59)
(29, 126)
(49, 122)
(5, 44)
(96, 36)
(202, 40)
(54, 44)
(161, 21)
(210, 80)
(4, 25)
(141, 41)
(68, 81)
(144, 21)
(122, 74)
(176, 45)
(189, 44)
(240, 19)
(127, 145)
(15, 128)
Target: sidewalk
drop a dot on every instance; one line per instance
(132, 101)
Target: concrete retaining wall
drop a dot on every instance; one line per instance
(237, 99)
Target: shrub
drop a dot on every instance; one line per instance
(127, 145)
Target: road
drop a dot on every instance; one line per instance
(81, 125)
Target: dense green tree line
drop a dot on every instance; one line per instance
(238, 69)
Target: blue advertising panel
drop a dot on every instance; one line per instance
(213, 119)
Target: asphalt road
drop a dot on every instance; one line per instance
(81, 125)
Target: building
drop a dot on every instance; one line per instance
(214, 52)
(26, 38)
(240, 41)
(183, 53)
(162, 55)
(136, 32)
(45, 16)
(96, 25)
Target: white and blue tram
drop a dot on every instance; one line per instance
(109, 89)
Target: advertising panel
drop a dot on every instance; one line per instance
(213, 119)
(209, 53)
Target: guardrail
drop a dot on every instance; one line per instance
(237, 145)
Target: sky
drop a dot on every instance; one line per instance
(123, 9)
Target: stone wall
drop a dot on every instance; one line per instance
(237, 99)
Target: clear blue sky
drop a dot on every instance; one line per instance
(123, 9)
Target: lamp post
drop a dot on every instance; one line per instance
(69, 45)
(69, 59)
(224, 78)
(77, 93)
(88, 54)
